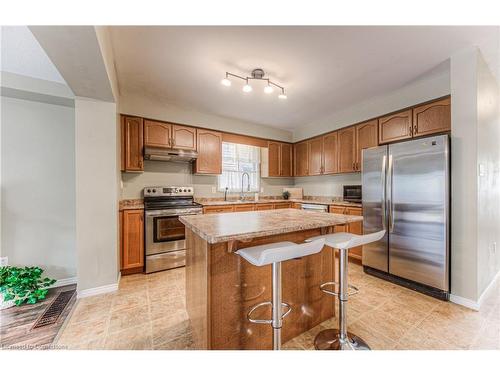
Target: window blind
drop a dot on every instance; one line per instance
(236, 160)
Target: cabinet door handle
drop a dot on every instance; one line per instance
(414, 129)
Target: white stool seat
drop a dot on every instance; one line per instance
(343, 240)
(280, 251)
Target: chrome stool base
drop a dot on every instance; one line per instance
(329, 339)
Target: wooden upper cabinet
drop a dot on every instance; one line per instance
(330, 153)
(280, 159)
(209, 145)
(395, 127)
(315, 156)
(132, 144)
(347, 149)
(157, 134)
(132, 239)
(286, 160)
(183, 137)
(366, 137)
(274, 158)
(301, 158)
(432, 118)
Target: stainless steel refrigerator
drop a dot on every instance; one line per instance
(406, 192)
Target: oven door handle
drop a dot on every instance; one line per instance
(169, 214)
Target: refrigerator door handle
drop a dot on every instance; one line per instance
(384, 192)
(390, 200)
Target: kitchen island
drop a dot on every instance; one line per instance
(221, 287)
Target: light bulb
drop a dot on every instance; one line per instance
(225, 82)
(247, 88)
(268, 89)
(282, 96)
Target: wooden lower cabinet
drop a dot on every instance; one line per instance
(282, 205)
(264, 206)
(132, 241)
(218, 209)
(248, 207)
(356, 227)
(244, 207)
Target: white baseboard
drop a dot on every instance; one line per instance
(99, 290)
(465, 302)
(475, 305)
(63, 282)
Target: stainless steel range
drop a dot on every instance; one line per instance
(165, 234)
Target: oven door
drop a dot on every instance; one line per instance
(164, 232)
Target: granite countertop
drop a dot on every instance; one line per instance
(131, 204)
(325, 201)
(216, 228)
(138, 204)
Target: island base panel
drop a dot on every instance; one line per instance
(221, 287)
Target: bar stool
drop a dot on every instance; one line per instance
(341, 339)
(275, 253)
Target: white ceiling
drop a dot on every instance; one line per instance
(323, 69)
(22, 54)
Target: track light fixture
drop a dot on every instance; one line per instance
(257, 74)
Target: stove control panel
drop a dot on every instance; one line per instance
(168, 191)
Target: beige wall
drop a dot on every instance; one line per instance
(433, 85)
(327, 185)
(475, 170)
(96, 193)
(488, 189)
(463, 176)
(163, 110)
(38, 186)
(165, 173)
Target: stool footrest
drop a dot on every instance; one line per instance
(323, 288)
(267, 321)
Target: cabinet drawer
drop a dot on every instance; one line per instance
(217, 209)
(264, 206)
(337, 210)
(243, 207)
(281, 205)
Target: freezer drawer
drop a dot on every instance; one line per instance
(165, 261)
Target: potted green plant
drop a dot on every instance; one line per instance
(22, 285)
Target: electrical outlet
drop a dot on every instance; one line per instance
(261, 189)
(4, 261)
(214, 190)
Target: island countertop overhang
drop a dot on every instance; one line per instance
(241, 226)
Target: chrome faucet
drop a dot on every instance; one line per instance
(242, 195)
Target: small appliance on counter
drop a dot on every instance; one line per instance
(352, 193)
(165, 234)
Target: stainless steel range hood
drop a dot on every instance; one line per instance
(168, 154)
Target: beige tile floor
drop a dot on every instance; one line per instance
(148, 312)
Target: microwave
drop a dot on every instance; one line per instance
(352, 193)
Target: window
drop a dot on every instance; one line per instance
(236, 160)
